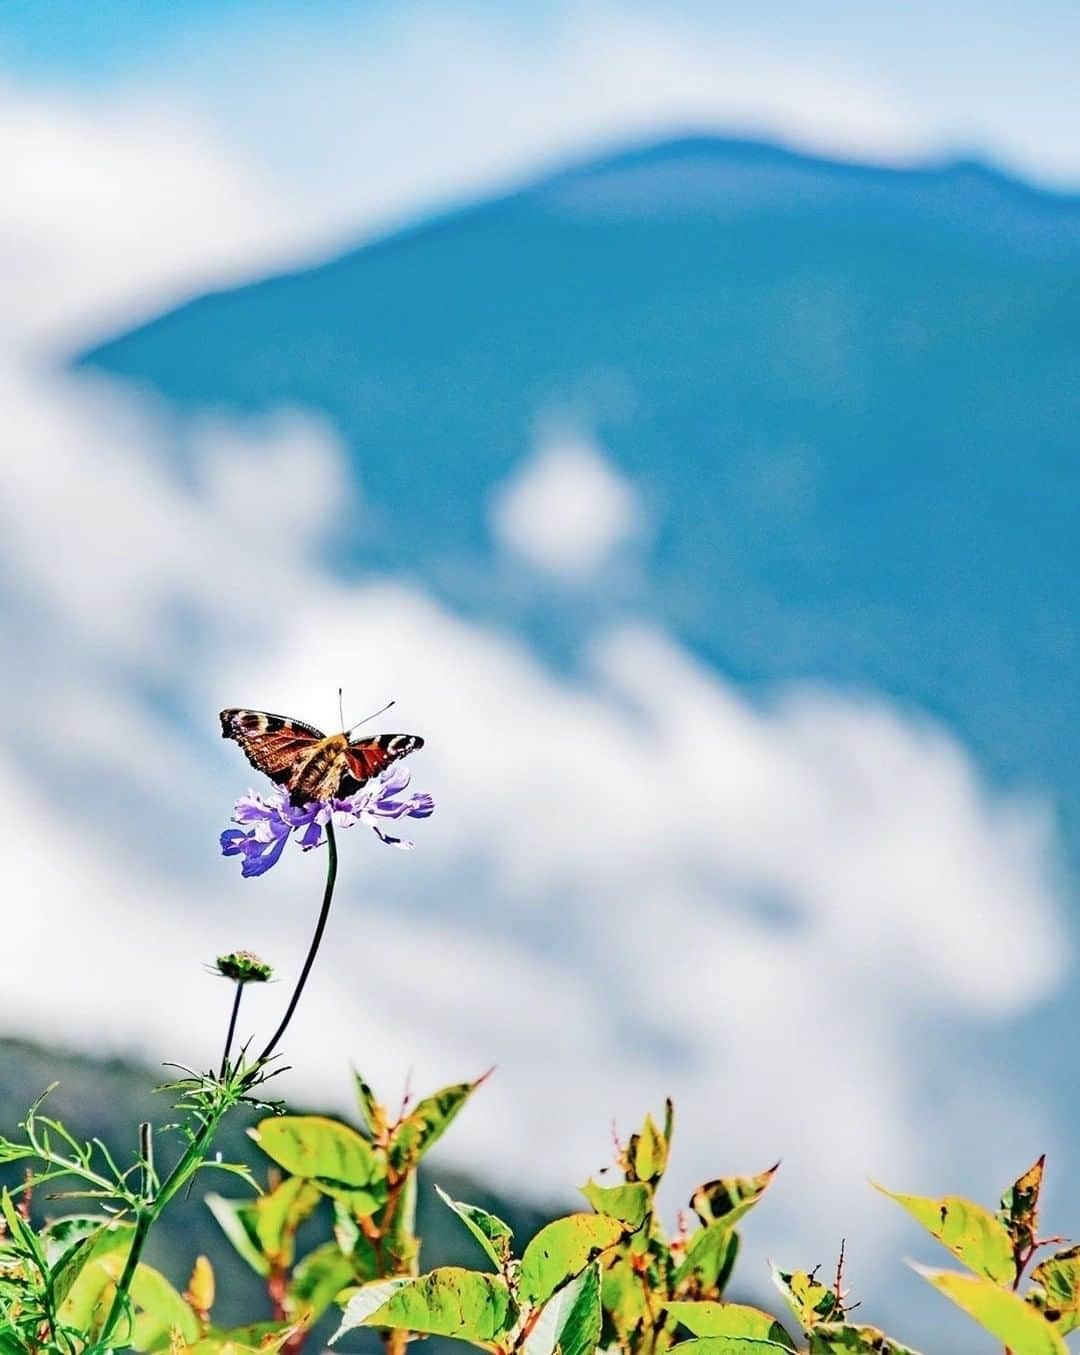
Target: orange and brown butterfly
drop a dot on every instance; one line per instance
(312, 765)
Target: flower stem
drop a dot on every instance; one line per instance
(199, 1144)
(232, 1030)
(313, 949)
(151, 1212)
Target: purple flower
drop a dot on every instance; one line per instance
(266, 822)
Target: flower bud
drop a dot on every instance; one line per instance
(243, 966)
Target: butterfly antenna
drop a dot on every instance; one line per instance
(340, 709)
(370, 717)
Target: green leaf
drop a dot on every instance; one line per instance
(94, 1275)
(728, 1198)
(629, 1203)
(493, 1235)
(372, 1111)
(316, 1282)
(237, 1220)
(837, 1338)
(447, 1302)
(67, 1266)
(159, 1309)
(400, 1245)
(1057, 1295)
(810, 1300)
(970, 1232)
(709, 1260)
(426, 1124)
(279, 1213)
(21, 1233)
(354, 1243)
(1020, 1206)
(334, 1156)
(263, 1230)
(1004, 1314)
(60, 1236)
(562, 1250)
(623, 1296)
(707, 1318)
(647, 1153)
(569, 1322)
(261, 1338)
(730, 1345)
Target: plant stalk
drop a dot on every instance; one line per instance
(232, 1030)
(197, 1149)
(313, 949)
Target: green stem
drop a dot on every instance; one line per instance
(313, 949)
(231, 1031)
(197, 1149)
(146, 1217)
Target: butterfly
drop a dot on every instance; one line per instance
(312, 765)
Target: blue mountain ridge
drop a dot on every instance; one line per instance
(848, 396)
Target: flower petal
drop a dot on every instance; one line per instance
(313, 836)
(258, 862)
(231, 841)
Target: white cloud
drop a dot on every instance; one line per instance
(785, 914)
(566, 510)
(444, 107)
(114, 207)
(635, 885)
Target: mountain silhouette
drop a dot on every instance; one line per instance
(847, 396)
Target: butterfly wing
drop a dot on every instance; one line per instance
(275, 745)
(371, 757)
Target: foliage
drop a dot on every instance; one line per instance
(612, 1277)
(608, 1278)
(997, 1248)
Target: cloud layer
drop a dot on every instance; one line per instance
(566, 510)
(799, 914)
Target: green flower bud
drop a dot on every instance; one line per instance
(243, 966)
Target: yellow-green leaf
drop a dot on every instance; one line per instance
(376, 1120)
(629, 1203)
(709, 1260)
(279, 1213)
(159, 1309)
(448, 1302)
(838, 1338)
(810, 1300)
(340, 1161)
(562, 1250)
(261, 1338)
(973, 1235)
(237, 1220)
(623, 1296)
(728, 1198)
(1001, 1312)
(427, 1123)
(647, 1152)
(708, 1318)
(1020, 1206)
(494, 1236)
(1057, 1291)
(569, 1323)
(730, 1345)
(93, 1276)
(316, 1281)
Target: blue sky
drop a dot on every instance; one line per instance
(281, 79)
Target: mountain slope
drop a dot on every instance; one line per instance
(848, 396)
